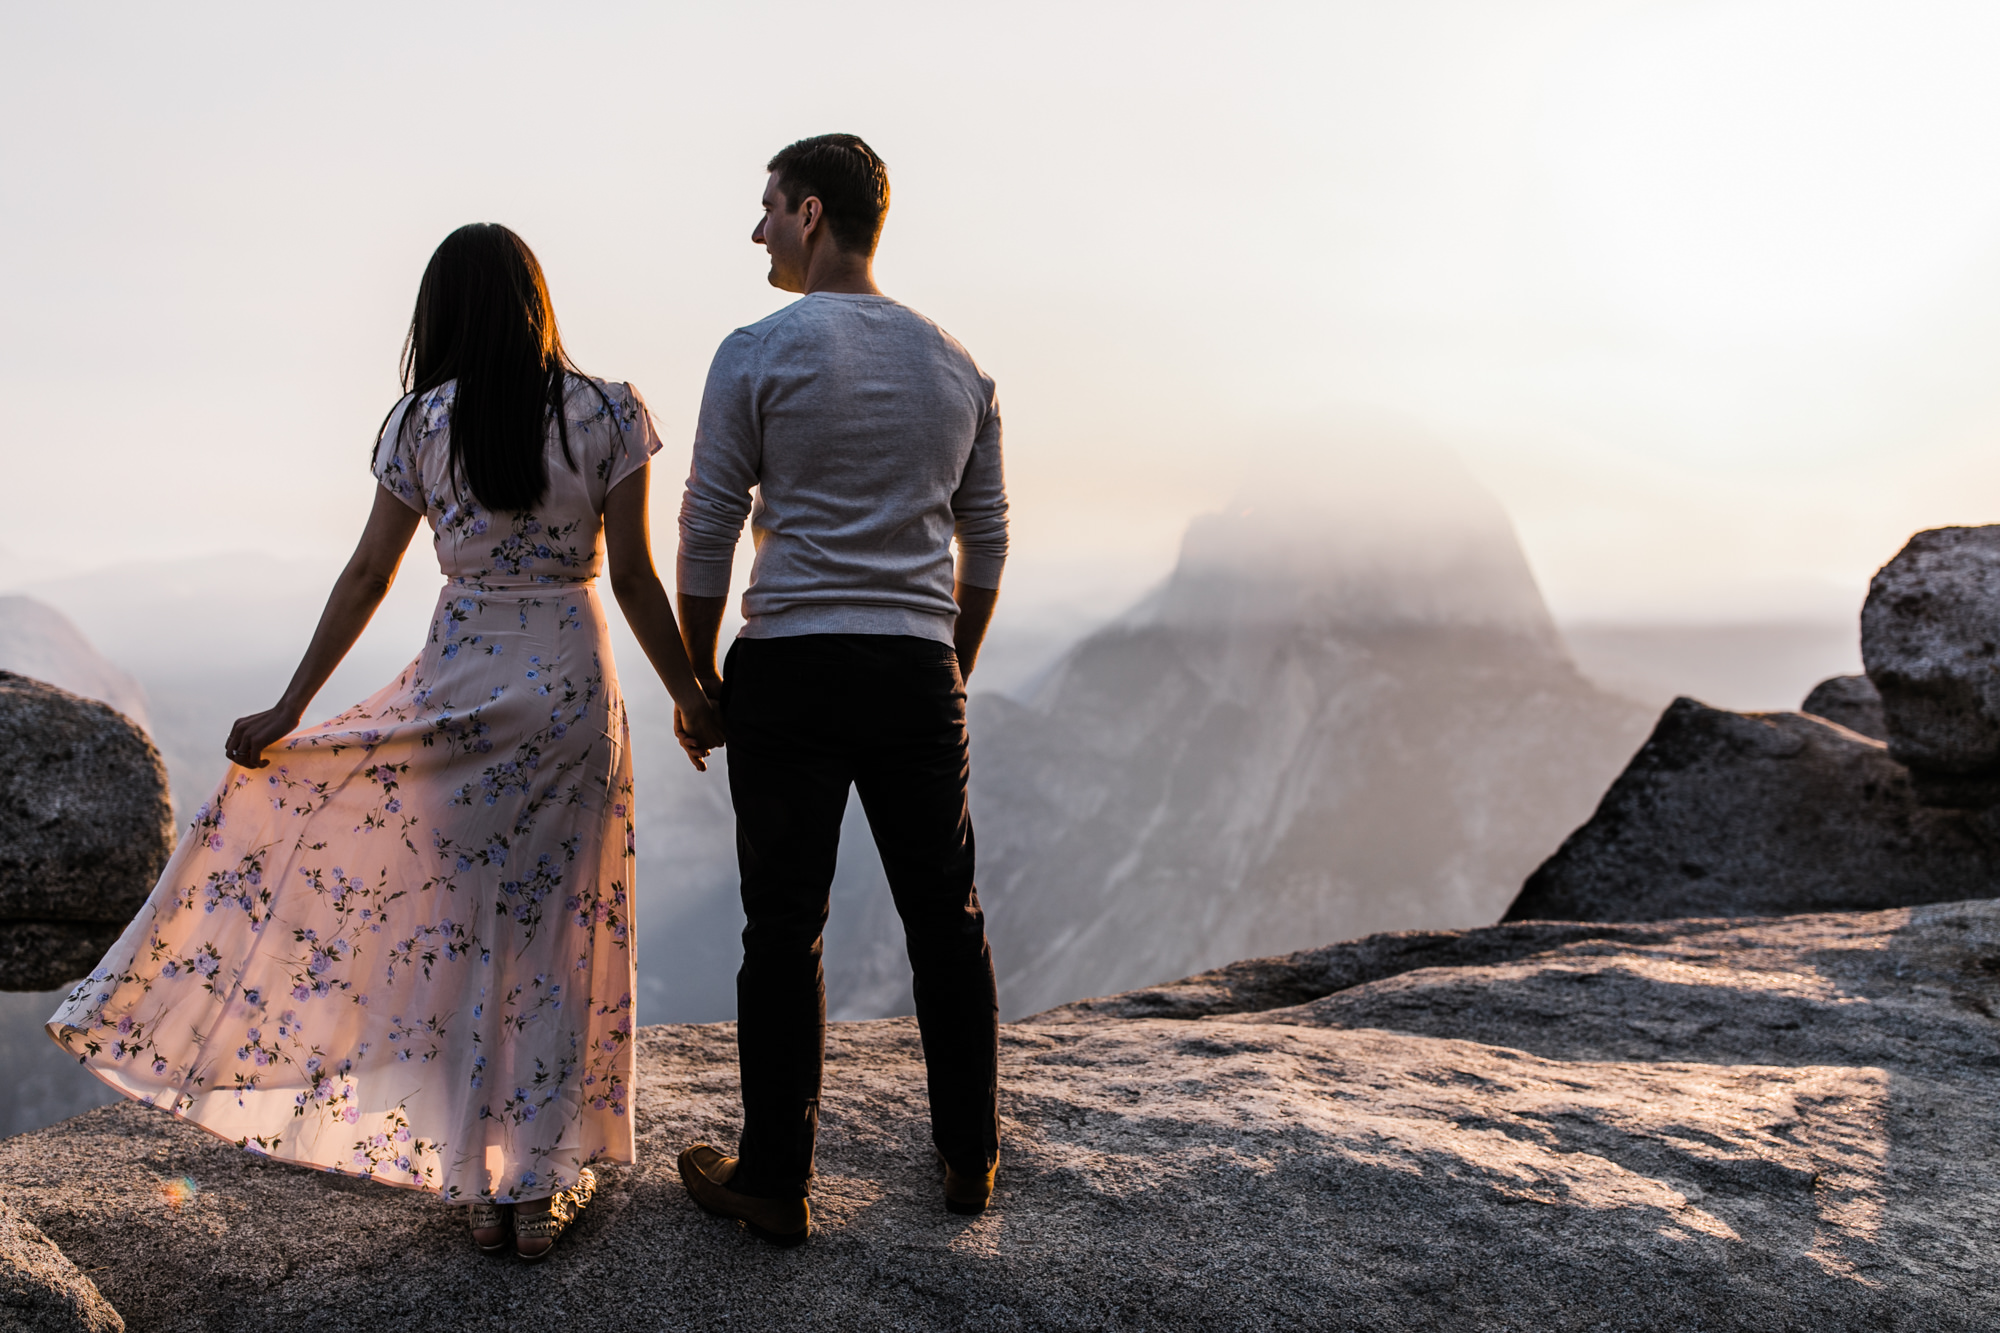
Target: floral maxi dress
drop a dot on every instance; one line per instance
(403, 950)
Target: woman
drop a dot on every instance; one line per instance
(399, 944)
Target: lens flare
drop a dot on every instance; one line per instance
(179, 1191)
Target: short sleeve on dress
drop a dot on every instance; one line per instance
(395, 460)
(634, 442)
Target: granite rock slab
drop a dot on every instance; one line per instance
(1722, 1124)
(41, 1291)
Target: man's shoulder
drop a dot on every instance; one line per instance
(950, 346)
(812, 326)
(771, 323)
(829, 314)
(920, 328)
(742, 349)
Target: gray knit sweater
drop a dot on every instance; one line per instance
(870, 440)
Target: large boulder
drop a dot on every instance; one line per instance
(85, 829)
(1758, 814)
(41, 1291)
(1930, 639)
(1736, 1127)
(1852, 701)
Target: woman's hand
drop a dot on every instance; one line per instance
(356, 593)
(699, 730)
(253, 735)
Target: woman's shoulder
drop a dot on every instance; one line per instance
(420, 415)
(588, 400)
(415, 418)
(609, 421)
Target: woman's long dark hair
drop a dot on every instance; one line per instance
(483, 318)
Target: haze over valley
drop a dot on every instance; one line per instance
(1344, 708)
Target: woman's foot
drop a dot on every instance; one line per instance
(539, 1222)
(489, 1223)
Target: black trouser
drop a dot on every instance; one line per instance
(806, 716)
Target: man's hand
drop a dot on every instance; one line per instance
(975, 613)
(699, 729)
(701, 626)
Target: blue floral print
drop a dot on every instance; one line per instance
(404, 949)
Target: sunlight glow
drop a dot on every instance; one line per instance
(1780, 168)
(179, 1191)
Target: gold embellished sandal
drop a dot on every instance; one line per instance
(546, 1219)
(488, 1217)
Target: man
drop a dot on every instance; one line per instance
(871, 441)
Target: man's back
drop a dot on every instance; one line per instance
(872, 439)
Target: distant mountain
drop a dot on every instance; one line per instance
(38, 640)
(1330, 721)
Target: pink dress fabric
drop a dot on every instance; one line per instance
(404, 949)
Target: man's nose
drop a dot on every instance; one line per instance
(757, 233)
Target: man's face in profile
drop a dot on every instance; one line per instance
(781, 231)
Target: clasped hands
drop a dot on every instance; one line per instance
(699, 728)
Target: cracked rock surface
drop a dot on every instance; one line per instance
(1761, 1125)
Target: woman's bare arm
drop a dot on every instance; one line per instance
(356, 593)
(628, 550)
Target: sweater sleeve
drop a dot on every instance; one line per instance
(728, 455)
(979, 506)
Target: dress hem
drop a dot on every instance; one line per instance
(103, 1076)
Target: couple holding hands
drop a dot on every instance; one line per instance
(399, 943)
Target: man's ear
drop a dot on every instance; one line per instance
(813, 211)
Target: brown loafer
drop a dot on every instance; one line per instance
(967, 1194)
(707, 1174)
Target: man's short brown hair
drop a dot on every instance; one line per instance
(851, 181)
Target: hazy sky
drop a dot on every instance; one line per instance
(1707, 293)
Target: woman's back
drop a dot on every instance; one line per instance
(560, 540)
